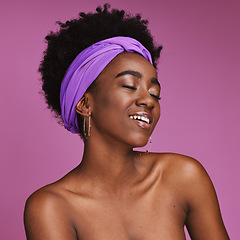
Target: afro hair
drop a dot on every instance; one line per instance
(75, 35)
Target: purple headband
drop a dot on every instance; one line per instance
(86, 67)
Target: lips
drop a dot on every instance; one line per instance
(143, 119)
(140, 118)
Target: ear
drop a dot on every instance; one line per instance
(83, 107)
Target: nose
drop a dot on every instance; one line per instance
(145, 99)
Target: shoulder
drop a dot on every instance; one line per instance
(179, 170)
(183, 164)
(43, 198)
(44, 203)
(190, 170)
(186, 166)
(45, 210)
(185, 178)
(189, 178)
(51, 196)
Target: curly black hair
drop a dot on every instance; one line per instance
(77, 34)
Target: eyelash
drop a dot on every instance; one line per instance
(133, 88)
(155, 96)
(130, 87)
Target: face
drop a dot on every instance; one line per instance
(126, 105)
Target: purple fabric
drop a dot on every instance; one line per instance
(85, 69)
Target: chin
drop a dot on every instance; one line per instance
(140, 142)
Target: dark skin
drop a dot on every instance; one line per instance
(117, 193)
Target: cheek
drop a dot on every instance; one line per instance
(112, 99)
(108, 104)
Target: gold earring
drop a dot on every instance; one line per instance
(88, 133)
(150, 144)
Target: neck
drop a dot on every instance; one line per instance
(109, 165)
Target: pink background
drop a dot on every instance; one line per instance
(200, 76)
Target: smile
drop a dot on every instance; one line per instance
(140, 118)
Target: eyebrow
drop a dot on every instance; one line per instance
(138, 75)
(133, 73)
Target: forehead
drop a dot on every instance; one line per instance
(129, 61)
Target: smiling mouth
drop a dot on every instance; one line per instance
(140, 118)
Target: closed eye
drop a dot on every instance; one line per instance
(134, 88)
(130, 87)
(156, 97)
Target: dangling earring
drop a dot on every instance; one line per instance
(150, 144)
(88, 133)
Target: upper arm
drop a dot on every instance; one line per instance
(46, 218)
(204, 219)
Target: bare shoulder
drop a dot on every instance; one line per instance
(175, 169)
(186, 166)
(183, 172)
(43, 199)
(46, 214)
(192, 172)
(188, 178)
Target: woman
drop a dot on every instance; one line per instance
(99, 76)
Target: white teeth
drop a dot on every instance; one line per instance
(142, 118)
